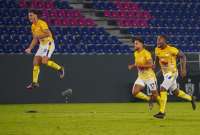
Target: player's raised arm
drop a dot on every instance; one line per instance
(182, 58)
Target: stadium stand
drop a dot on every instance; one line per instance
(77, 33)
(73, 32)
(176, 19)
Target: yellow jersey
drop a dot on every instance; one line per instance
(167, 58)
(142, 58)
(38, 29)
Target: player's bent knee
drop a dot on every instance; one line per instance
(163, 89)
(45, 61)
(136, 90)
(175, 92)
(37, 61)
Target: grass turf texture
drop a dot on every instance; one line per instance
(97, 119)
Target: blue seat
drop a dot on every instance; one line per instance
(23, 12)
(108, 49)
(11, 4)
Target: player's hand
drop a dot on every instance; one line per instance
(183, 73)
(28, 50)
(131, 66)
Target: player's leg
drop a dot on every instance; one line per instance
(180, 93)
(168, 79)
(163, 102)
(36, 70)
(50, 63)
(152, 85)
(137, 88)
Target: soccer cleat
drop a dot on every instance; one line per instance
(32, 86)
(61, 72)
(159, 115)
(193, 102)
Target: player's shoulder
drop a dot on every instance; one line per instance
(172, 47)
(157, 49)
(40, 21)
(146, 51)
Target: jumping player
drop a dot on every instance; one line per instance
(43, 35)
(167, 56)
(146, 75)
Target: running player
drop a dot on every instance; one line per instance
(167, 56)
(43, 35)
(146, 75)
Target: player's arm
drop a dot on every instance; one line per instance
(182, 58)
(149, 64)
(131, 66)
(32, 44)
(46, 33)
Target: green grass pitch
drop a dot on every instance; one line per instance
(98, 119)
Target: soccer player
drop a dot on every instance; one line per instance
(43, 35)
(146, 75)
(168, 56)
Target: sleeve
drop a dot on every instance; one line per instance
(156, 52)
(44, 25)
(174, 51)
(148, 56)
(32, 29)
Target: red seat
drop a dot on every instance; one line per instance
(122, 14)
(53, 13)
(45, 13)
(76, 13)
(107, 13)
(37, 4)
(65, 22)
(73, 22)
(49, 5)
(23, 4)
(58, 22)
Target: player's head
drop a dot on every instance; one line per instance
(161, 41)
(33, 15)
(138, 43)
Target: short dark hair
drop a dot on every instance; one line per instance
(163, 36)
(37, 12)
(138, 39)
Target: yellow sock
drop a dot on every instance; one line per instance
(53, 65)
(36, 71)
(183, 95)
(142, 96)
(163, 101)
(158, 100)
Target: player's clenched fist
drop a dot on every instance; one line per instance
(28, 50)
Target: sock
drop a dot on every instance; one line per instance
(183, 95)
(36, 71)
(158, 100)
(142, 96)
(163, 101)
(53, 65)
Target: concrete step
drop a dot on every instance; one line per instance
(100, 20)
